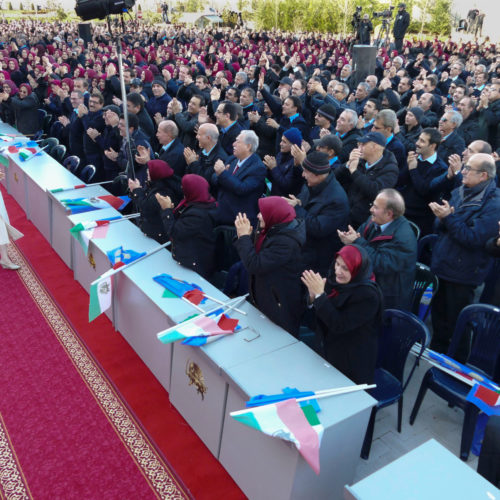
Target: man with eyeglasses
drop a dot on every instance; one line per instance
(489, 114)
(459, 258)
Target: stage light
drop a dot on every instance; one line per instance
(99, 9)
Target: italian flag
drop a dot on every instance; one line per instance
(288, 421)
(201, 326)
(101, 295)
(83, 232)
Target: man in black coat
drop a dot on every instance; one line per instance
(346, 130)
(489, 114)
(72, 132)
(416, 181)
(210, 151)
(469, 130)
(91, 117)
(451, 143)
(392, 246)
(401, 24)
(324, 206)
(226, 118)
(386, 123)
(371, 168)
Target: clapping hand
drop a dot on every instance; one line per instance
(143, 155)
(348, 237)
(133, 184)
(441, 211)
(314, 282)
(243, 226)
(292, 200)
(164, 201)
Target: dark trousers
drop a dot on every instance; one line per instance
(449, 300)
(398, 45)
(489, 459)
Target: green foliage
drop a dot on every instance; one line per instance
(21, 6)
(61, 14)
(193, 5)
(9, 7)
(440, 13)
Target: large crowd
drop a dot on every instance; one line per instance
(328, 185)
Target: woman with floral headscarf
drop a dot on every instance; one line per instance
(348, 307)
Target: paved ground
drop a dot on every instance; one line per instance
(434, 420)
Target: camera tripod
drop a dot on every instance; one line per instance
(384, 36)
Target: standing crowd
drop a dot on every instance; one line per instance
(319, 186)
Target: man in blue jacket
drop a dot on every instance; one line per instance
(459, 258)
(241, 182)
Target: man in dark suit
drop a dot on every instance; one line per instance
(452, 142)
(241, 182)
(226, 118)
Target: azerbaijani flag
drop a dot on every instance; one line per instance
(83, 232)
(486, 399)
(81, 205)
(202, 326)
(176, 288)
(101, 295)
(119, 257)
(288, 421)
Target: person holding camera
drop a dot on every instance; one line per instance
(401, 24)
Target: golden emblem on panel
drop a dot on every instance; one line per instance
(195, 376)
(16, 178)
(91, 260)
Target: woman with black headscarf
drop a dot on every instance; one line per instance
(348, 307)
(190, 225)
(273, 261)
(158, 175)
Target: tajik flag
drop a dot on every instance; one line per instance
(486, 399)
(101, 295)
(83, 232)
(202, 326)
(288, 421)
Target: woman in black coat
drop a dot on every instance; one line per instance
(158, 174)
(6, 111)
(348, 308)
(273, 263)
(190, 226)
(25, 106)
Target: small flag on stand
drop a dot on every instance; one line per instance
(224, 322)
(119, 257)
(288, 421)
(101, 295)
(83, 232)
(81, 205)
(176, 288)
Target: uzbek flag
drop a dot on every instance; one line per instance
(83, 232)
(202, 326)
(176, 288)
(81, 205)
(486, 399)
(101, 295)
(288, 421)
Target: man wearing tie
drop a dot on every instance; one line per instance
(241, 182)
(392, 246)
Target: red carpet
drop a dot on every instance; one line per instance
(194, 464)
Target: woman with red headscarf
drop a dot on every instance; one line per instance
(25, 105)
(273, 261)
(158, 174)
(348, 307)
(9, 90)
(190, 225)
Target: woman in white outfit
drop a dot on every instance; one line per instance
(7, 233)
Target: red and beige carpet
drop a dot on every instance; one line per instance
(80, 415)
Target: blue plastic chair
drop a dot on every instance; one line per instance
(483, 321)
(87, 173)
(400, 331)
(424, 289)
(72, 163)
(58, 152)
(425, 246)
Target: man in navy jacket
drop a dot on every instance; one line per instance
(459, 258)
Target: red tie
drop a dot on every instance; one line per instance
(236, 168)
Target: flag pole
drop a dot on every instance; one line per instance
(78, 186)
(126, 266)
(205, 313)
(217, 301)
(317, 395)
(35, 154)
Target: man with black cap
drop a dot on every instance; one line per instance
(411, 130)
(159, 102)
(324, 120)
(371, 168)
(323, 205)
(332, 146)
(401, 24)
(284, 175)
